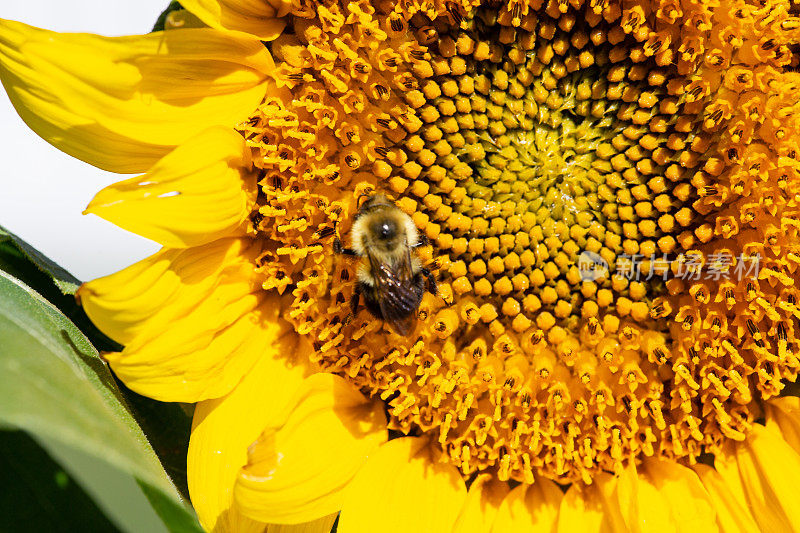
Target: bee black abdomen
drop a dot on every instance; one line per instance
(370, 296)
(397, 302)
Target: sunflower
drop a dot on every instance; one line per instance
(609, 193)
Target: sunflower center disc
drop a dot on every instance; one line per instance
(536, 152)
(561, 159)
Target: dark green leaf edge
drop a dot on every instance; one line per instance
(167, 507)
(66, 282)
(161, 21)
(166, 425)
(50, 280)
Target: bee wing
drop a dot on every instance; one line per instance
(405, 325)
(397, 296)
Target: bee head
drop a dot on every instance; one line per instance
(384, 231)
(381, 227)
(381, 218)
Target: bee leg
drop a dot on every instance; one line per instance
(354, 301)
(432, 287)
(422, 240)
(339, 249)
(337, 243)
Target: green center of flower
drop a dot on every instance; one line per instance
(544, 145)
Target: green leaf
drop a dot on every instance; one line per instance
(162, 18)
(58, 286)
(166, 425)
(56, 387)
(66, 282)
(39, 495)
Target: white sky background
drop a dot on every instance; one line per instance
(43, 191)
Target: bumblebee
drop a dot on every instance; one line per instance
(390, 278)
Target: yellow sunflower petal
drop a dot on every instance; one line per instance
(529, 508)
(664, 496)
(300, 466)
(767, 469)
(606, 485)
(188, 354)
(725, 465)
(733, 515)
(321, 525)
(783, 415)
(483, 500)
(256, 17)
(682, 492)
(169, 283)
(581, 510)
(401, 488)
(122, 103)
(640, 505)
(592, 508)
(196, 194)
(207, 330)
(205, 355)
(223, 429)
